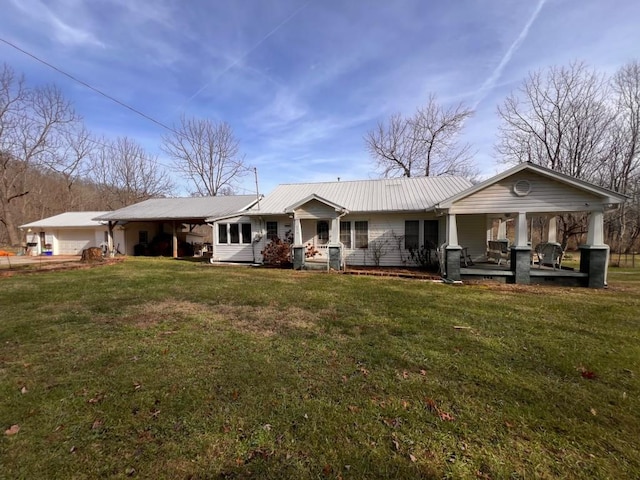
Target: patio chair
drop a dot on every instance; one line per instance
(549, 254)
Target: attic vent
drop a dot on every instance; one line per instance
(522, 188)
(398, 184)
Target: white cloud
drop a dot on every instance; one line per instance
(61, 30)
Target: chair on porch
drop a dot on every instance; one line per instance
(549, 254)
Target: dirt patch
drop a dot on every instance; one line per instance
(56, 266)
(264, 321)
(268, 320)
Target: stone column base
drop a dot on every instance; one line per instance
(593, 262)
(521, 264)
(298, 256)
(335, 257)
(452, 263)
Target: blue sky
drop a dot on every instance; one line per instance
(301, 82)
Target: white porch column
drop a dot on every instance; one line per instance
(521, 230)
(502, 229)
(174, 240)
(595, 236)
(214, 240)
(110, 242)
(553, 230)
(297, 231)
(452, 230)
(334, 234)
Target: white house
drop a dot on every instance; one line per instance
(375, 222)
(379, 222)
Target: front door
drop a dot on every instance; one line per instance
(322, 232)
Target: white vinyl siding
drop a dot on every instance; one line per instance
(546, 195)
(315, 209)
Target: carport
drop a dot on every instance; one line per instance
(177, 215)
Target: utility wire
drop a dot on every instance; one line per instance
(107, 96)
(90, 87)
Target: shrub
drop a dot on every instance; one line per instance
(278, 251)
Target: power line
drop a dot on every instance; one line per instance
(90, 87)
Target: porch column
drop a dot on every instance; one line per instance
(214, 240)
(502, 229)
(522, 237)
(298, 248)
(297, 231)
(553, 230)
(452, 230)
(175, 240)
(334, 234)
(110, 248)
(521, 252)
(594, 256)
(595, 236)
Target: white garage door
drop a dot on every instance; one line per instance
(72, 242)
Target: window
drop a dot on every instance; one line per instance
(234, 233)
(272, 230)
(431, 237)
(246, 232)
(143, 237)
(322, 228)
(345, 234)
(411, 234)
(362, 234)
(222, 233)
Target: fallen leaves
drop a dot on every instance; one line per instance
(433, 407)
(585, 373)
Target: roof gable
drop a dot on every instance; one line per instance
(578, 190)
(314, 198)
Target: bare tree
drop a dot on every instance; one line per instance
(424, 144)
(623, 166)
(558, 118)
(207, 153)
(39, 130)
(125, 173)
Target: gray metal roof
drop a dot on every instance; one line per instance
(382, 195)
(67, 220)
(184, 208)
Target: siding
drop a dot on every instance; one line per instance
(546, 195)
(315, 209)
(389, 230)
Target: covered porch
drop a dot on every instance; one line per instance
(520, 195)
(316, 233)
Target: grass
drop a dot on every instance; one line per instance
(155, 368)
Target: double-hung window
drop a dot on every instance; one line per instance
(345, 234)
(411, 234)
(362, 234)
(272, 230)
(431, 234)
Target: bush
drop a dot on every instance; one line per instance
(278, 251)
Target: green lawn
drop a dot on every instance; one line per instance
(156, 368)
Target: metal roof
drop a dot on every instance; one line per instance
(382, 195)
(67, 220)
(184, 208)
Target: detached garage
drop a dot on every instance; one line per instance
(67, 234)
